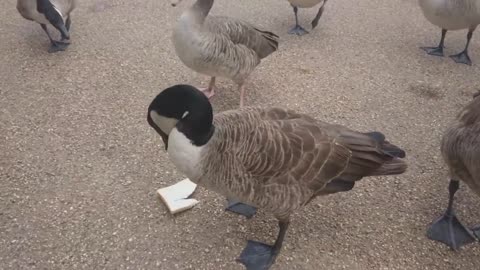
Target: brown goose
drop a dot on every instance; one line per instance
(461, 151)
(274, 159)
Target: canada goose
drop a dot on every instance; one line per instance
(273, 159)
(220, 46)
(297, 29)
(452, 15)
(54, 12)
(461, 151)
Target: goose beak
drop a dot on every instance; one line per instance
(158, 130)
(174, 3)
(165, 140)
(477, 94)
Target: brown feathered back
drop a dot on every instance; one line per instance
(279, 160)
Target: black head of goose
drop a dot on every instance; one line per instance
(53, 12)
(271, 158)
(461, 151)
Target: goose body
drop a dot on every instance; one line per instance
(305, 3)
(220, 46)
(461, 151)
(272, 158)
(452, 15)
(49, 12)
(297, 29)
(269, 158)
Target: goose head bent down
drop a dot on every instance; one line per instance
(53, 12)
(183, 118)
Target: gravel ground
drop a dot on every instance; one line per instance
(79, 165)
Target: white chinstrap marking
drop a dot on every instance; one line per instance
(166, 124)
(184, 154)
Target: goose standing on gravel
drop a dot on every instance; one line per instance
(461, 151)
(274, 159)
(452, 15)
(297, 29)
(53, 12)
(220, 46)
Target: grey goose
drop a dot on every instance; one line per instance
(452, 15)
(220, 46)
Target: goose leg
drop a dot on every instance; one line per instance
(210, 90)
(463, 57)
(319, 14)
(260, 256)
(56, 46)
(437, 51)
(448, 229)
(68, 22)
(297, 29)
(476, 232)
(241, 208)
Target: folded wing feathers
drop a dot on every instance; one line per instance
(271, 38)
(372, 155)
(240, 32)
(294, 149)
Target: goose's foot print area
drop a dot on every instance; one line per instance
(462, 58)
(297, 30)
(257, 256)
(450, 231)
(437, 51)
(241, 208)
(58, 46)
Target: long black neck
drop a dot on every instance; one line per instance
(198, 124)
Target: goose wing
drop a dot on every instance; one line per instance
(288, 149)
(237, 33)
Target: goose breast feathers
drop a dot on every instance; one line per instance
(452, 14)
